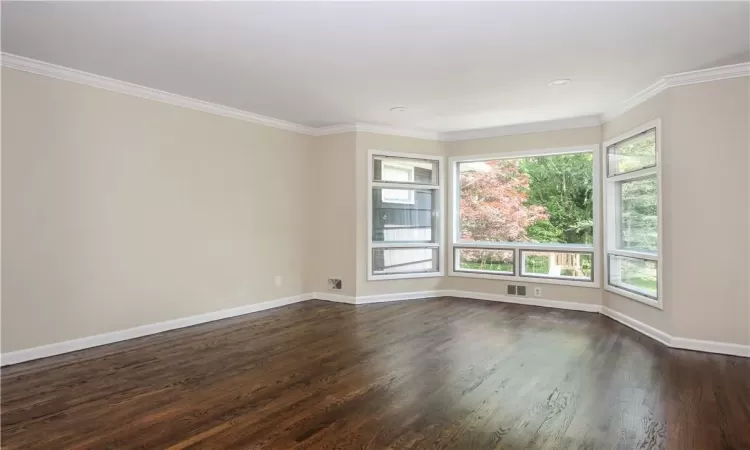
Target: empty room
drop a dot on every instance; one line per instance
(375, 225)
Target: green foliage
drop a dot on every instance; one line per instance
(563, 184)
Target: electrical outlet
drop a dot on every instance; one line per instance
(537, 292)
(278, 280)
(521, 290)
(334, 284)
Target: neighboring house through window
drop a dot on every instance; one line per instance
(405, 216)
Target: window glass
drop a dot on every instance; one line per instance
(638, 227)
(484, 260)
(633, 274)
(635, 153)
(563, 265)
(536, 199)
(408, 218)
(404, 260)
(404, 170)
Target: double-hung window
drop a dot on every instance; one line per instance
(528, 216)
(632, 204)
(404, 216)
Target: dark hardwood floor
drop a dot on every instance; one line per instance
(438, 373)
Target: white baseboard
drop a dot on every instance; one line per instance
(531, 301)
(639, 326)
(144, 330)
(338, 298)
(362, 300)
(366, 299)
(724, 348)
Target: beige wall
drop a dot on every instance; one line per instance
(119, 211)
(705, 148)
(333, 201)
(371, 141)
(656, 107)
(524, 142)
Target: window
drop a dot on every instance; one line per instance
(405, 216)
(526, 217)
(632, 203)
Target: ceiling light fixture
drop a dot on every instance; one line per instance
(399, 109)
(560, 82)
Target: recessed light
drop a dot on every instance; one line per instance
(560, 82)
(398, 109)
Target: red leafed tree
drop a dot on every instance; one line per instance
(493, 203)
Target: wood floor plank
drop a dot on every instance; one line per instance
(424, 374)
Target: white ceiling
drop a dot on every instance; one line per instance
(455, 66)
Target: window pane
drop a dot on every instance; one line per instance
(404, 260)
(638, 214)
(404, 215)
(634, 153)
(404, 170)
(633, 274)
(484, 260)
(563, 265)
(535, 199)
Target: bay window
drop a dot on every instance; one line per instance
(528, 216)
(632, 204)
(405, 229)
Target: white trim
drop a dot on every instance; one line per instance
(706, 75)
(405, 245)
(123, 87)
(363, 300)
(639, 326)
(531, 246)
(527, 279)
(531, 301)
(674, 80)
(393, 131)
(522, 128)
(77, 76)
(335, 129)
(454, 241)
(331, 297)
(634, 254)
(610, 221)
(725, 348)
(143, 330)
(377, 129)
(440, 242)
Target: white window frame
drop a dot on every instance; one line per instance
(439, 243)
(612, 222)
(456, 243)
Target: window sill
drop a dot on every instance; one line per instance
(404, 276)
(633, 296)
(529, 280)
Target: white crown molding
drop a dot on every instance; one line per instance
(705, 75)
(634, 101)
(523, 128)
(76, 76)
(123, 87)
(675, 80)
(335, 129)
